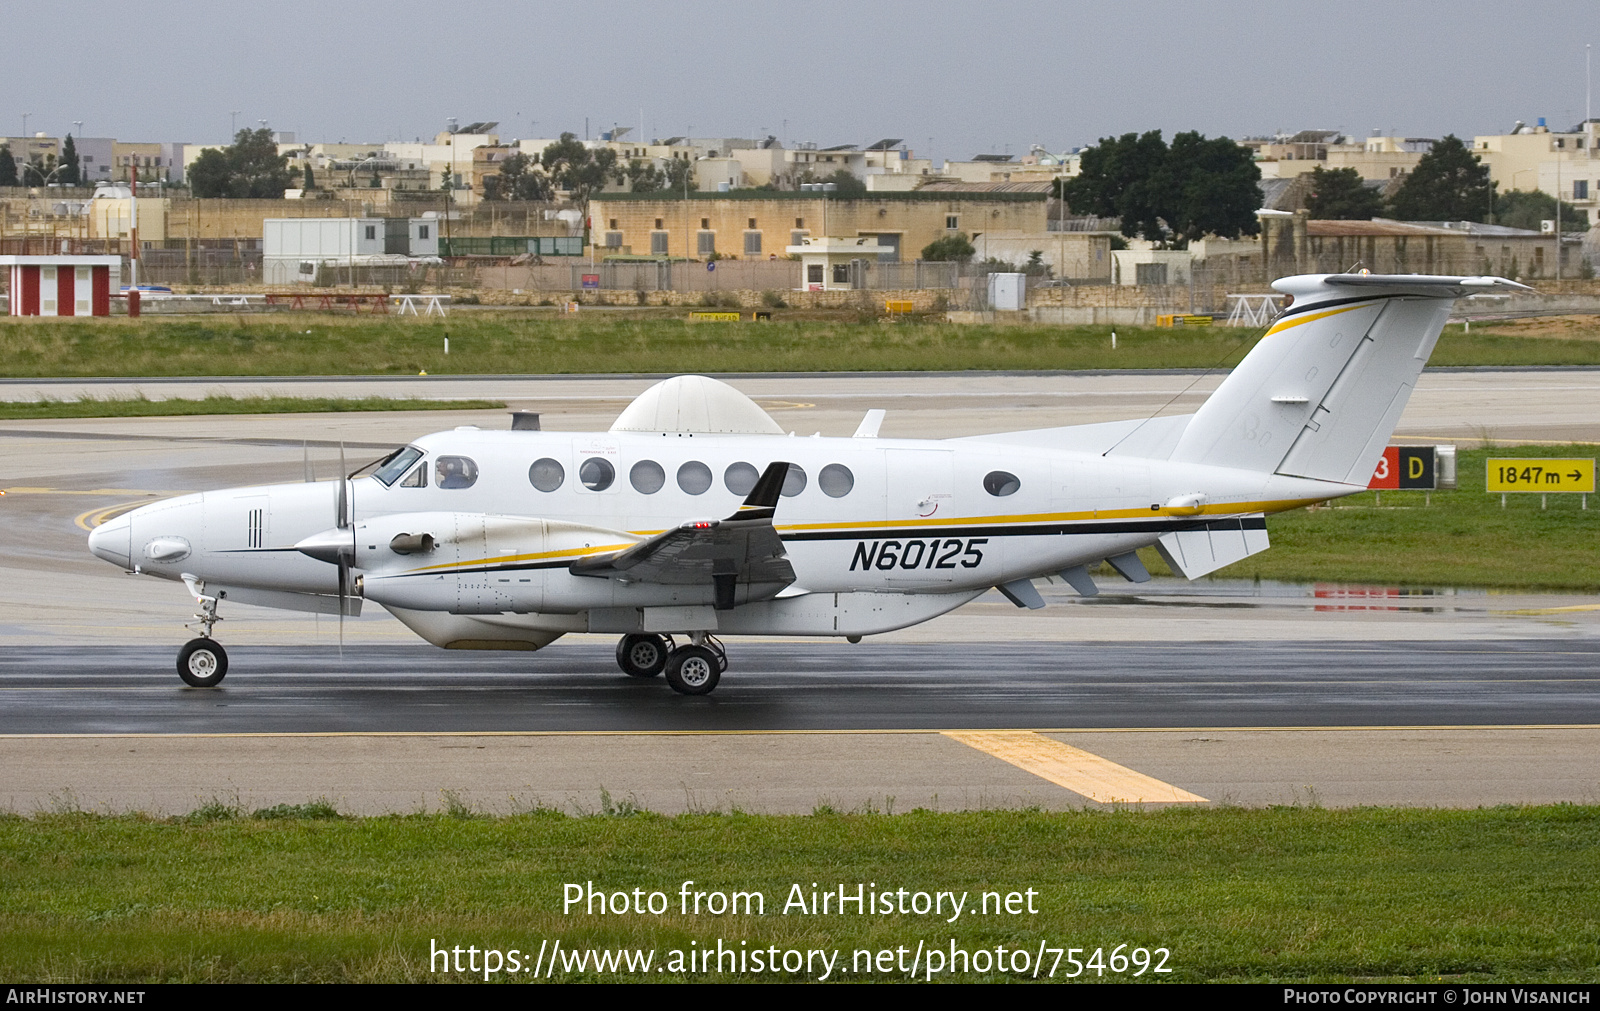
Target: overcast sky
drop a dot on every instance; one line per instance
(953, 79)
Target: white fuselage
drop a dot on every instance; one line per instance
(881, 533)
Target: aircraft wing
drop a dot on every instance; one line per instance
(744, 548)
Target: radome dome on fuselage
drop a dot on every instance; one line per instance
(673, 523)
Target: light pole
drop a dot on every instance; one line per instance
(25, 132)
(233, 124)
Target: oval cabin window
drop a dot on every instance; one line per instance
(1000, 483)
(546, 474)
(597, 474)
(740, 478)
(694, 477)
(835, 480)
(647, 477)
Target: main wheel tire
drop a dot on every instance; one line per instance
(202, 663)
(642, 656)
(693, 670)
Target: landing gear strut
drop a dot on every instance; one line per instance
(202, 662)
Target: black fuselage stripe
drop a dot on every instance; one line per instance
(1151, 526)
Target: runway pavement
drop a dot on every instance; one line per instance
(1453, 697)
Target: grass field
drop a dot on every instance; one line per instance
(142, 407)
(1509, 894)
(304, 344)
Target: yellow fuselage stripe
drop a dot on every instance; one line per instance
(1230, 509)
(1313, 317)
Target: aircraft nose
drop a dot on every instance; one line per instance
(110, 540)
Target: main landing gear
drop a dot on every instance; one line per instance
(202, 662)
(691, 669)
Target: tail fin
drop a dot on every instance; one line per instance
(1321, 393)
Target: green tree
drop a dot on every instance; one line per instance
(260, 172)
(846, 186)
(70, 173)
(518, 179)
(8, 166)
(308, 179)
(1340, 195)
(1211, 187)
(251, 167)
(1521, 209)
(1448, 184)
(680, 175)
(573, 167)
(37, 173)
(1196, 187)
(952, 247)
(1118, 179)
(644, 177)
(210, 175)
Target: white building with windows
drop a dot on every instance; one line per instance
(293, 248)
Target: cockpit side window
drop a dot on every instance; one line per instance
(455, 472)
(396, 463)
(417, 478)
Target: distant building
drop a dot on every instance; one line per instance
(1564, 164)
(293, 249)
(761, 224)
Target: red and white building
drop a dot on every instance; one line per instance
(62, 285)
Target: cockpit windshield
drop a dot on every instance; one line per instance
(395, 464)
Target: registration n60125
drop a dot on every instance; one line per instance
(916, 553)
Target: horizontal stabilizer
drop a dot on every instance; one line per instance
(1193, 553)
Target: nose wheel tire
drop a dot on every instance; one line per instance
(693, 670)
(202, 663)
(643, 656)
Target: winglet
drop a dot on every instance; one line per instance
(762, 502)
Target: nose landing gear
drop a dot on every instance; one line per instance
(202, 662)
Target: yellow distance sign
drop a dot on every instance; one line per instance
(1540, 475)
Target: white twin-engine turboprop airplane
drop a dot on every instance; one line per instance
(694, 518)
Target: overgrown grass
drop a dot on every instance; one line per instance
(1509, 894)
(1464, 538)
(143, 407)
(294, 345)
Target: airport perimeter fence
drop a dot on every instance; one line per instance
(699, 277)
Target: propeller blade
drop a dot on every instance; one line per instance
(342, 503)
(344, 591)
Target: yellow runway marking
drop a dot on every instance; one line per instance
(95, 517)
(1099, 779)
(24, 490)
(1552, 610)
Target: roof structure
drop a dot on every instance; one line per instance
(1044, 187)
(1375, 227)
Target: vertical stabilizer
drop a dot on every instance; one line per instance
(1321, 393)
